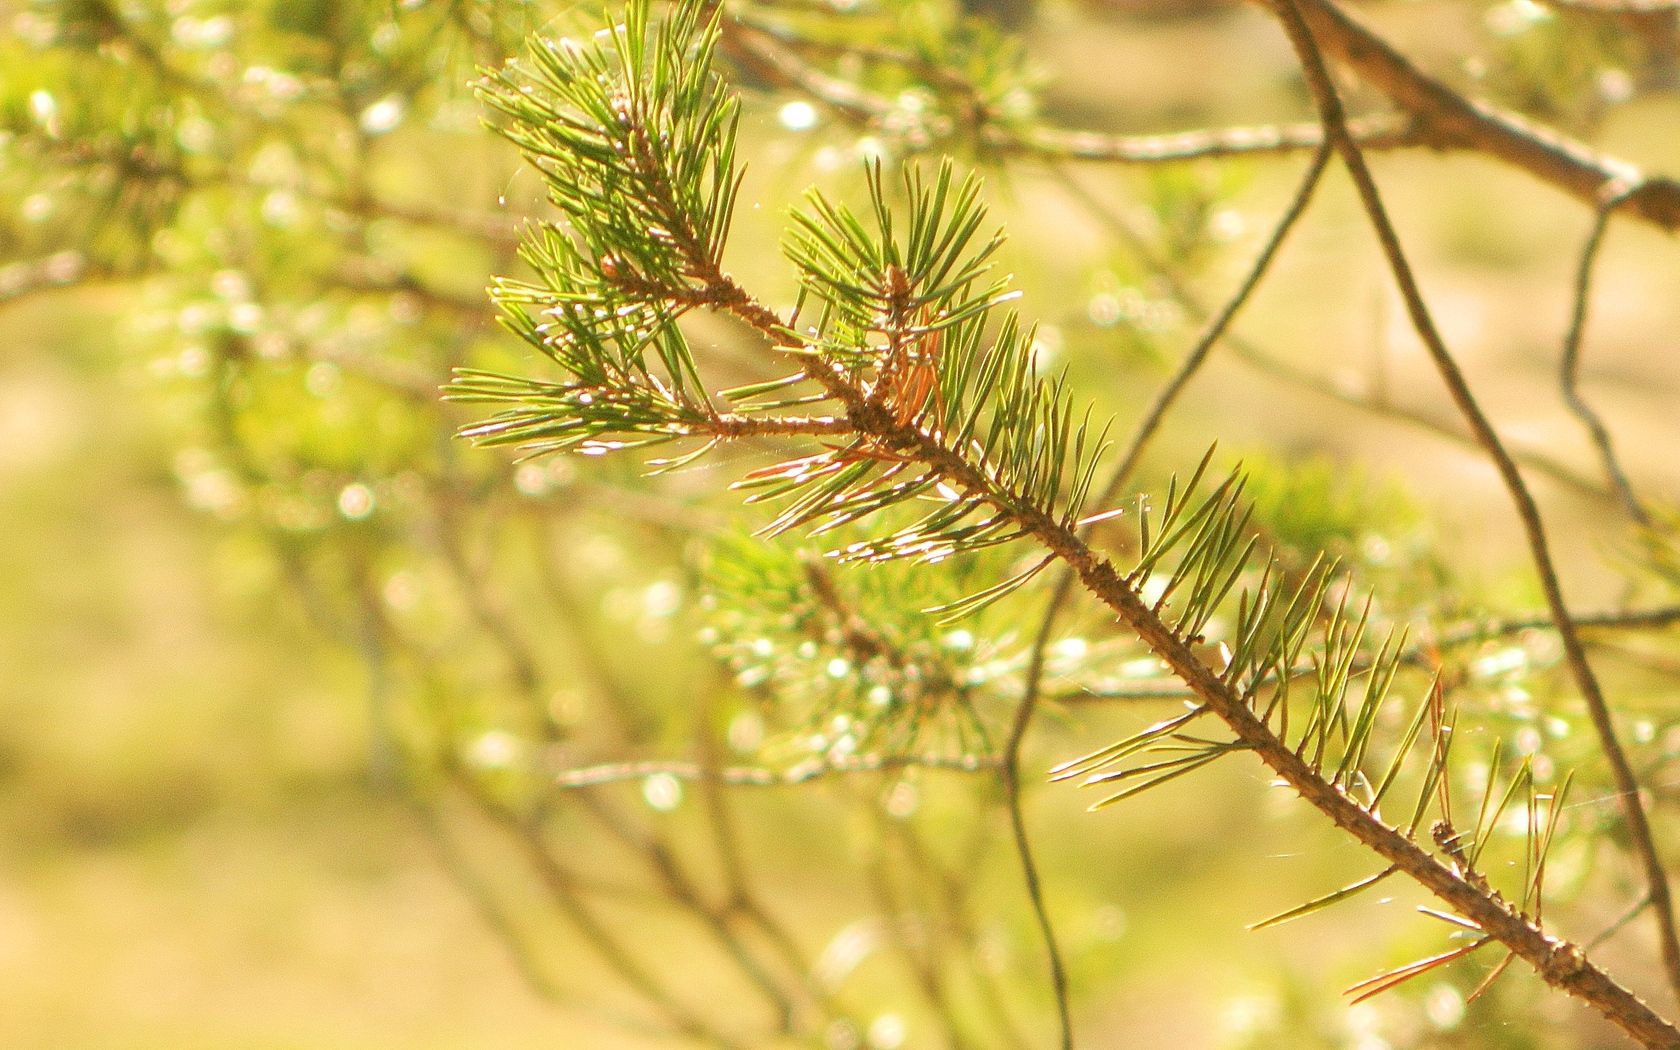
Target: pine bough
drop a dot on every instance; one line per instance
(929, 429)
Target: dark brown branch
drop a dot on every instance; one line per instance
(1642, 1024)
(1455, 121)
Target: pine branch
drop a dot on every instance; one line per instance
(909, 349)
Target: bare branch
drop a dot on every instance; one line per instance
(1455, 121)
(1617, 7)
(1569, 368)
(1271, 364)
(771, 53)
(760, 776)
(1381, 133)
(19, 280)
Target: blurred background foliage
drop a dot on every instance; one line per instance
(287, 673)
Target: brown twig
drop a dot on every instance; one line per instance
(501, 921)
(1569, 368)
(908, 929)
(1276, 367)
(19, 280)
(1302, 37)
(742, 900)
(678, 887)
(1659, 618)
(1215, 330)
(1633, 619)
(1010, 775)
(560, 883)
(954, 888)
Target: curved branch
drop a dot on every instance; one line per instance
(1569, 368)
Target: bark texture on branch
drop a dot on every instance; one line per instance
(1450, 120)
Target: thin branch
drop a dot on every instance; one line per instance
(1011, 778)
(1145, 689)
(961, 466)
(502, 923)
(1569, 369)
(1271, 364)
(733, 425)
(1639, 830)
(1063, 589)
(1633, 619)
(1434, 115)
(1381, 133)
(760, 776)
(741, 896)
(1215, 330)
(917, 953)
(954, 888)
(756, 49)
(678, 887)
(563, 891)
(768, 51)
(1617, 7)
(19, 280)
(1620, 923)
